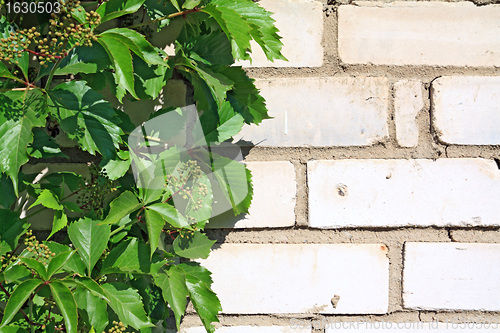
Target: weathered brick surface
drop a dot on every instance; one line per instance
(423, 33)
(388, 193)
(408, 101)
(300, 278)
(301, 46)
(273, 203)
(316, 111)
(466, 110)
(451, 276)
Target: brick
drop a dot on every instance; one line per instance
(411, 33)
(300, 278)
(273, 203)
(408, 102)
(451, 276)
(417, 327)
(466, 110)
(390, 193)
(317, 111)
(248, 329)
(302, 47)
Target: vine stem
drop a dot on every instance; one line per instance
(185, 12)
(42, 54)
(51, 74)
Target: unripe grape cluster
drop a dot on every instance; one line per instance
(40, 251)
(52, 44)
(92, 198)
(118, 327)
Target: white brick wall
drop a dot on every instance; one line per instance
(388, 193)
(297, 278)
(317, 111)
(466, 110)
(273, 203)
(408, 102)
(423, 33)
(451, 276)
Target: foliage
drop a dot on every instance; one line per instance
(125, 259)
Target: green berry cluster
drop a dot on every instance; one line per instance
(40, 251)
(63, 30)
(117, 327)
(12, 47)
(92, 198)
(7, 260)
(185, 174)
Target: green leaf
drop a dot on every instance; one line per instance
(43, 146)
(234, 26)
(190, 4)
(150, 80)
(127, 304)
(172, 282)
(218, 83)
(171, 215)
(94, 306)
(16, 273)
(8, 197)
(18, 297)
(129, 256)
(92, 286)
(157, 10)
(4, 72)
(24, 63)
(84, 59)
(90, 240)
(244, 97)
(115, 8)
(118, 167)
(86, 117)
(60, 180)
(12, 329)
(263, 31)
(60, 222)
(11, 229)
(35, 265)
(193, 246)
(74, 263)
(155, 223)
(71, 206)
(120, 55)
(230, 124)
(205, 301)
(57, 262)
(66, 304)
(235, 181)
(122, 206)
(138, 44)
(20, 111)
(214, 48)
(48, 199)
